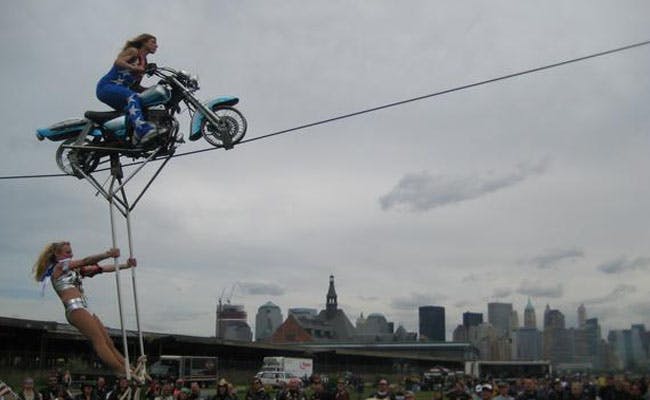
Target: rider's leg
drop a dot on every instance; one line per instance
(135, 116)
(88, 325)
(124, 99)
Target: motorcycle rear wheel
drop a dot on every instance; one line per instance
(87, 160)
(231, 123)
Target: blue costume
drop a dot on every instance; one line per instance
(115, 89)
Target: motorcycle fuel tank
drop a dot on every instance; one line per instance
(155, 95)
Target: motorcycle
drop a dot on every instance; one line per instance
(86, 141)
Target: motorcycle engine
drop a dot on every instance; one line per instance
(167, 124)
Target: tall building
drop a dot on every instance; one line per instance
(232, 323)
(530, 320)
(528, 344)
(472, 319)
(432, 323)
(582, 316)
(500, 317)
(514, 320)
(268, 319)
(556, 341)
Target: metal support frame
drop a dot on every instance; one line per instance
(117, 199)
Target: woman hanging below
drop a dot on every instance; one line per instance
(119, 88)
(55, 262)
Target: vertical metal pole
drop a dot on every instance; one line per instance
(135, 291)
(117, 281)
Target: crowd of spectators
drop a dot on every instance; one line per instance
(60, 387)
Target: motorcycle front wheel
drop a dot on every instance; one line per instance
(87, 161)
(231, 123)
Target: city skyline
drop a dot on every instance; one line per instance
(530, 186)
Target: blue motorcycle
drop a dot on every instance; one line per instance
(100, 135)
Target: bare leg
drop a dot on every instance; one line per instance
(109, 341)
(92, 328)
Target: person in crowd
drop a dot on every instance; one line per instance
(291, 392)
(318, 392)
(178, 386)
(257, 391)
(184, 393)
(166, 392)
(121, 391)
(530, 391)
(611, 390)
(87, 392)
(556, 391)
(27, 391)
(52, 389)
(55, 263)
(232, 391)
(153, 390)
(503, 391)
(383, 391)
(459, 392)
(101, 388)
(120, 87)
(487, 392)
(195, 392)
(222, 391)
(636, 391)
(341, 392)
(577, 392)
(66, 379)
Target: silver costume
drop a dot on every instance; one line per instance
(70, 279)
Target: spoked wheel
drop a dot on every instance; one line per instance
(85, 160)
(231, 123)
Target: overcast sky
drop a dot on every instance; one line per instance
(535, 186)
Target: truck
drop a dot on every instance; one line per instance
(284, 368)
(201, 369)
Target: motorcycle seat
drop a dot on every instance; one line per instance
(102, 116)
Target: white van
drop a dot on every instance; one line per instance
(275, 379)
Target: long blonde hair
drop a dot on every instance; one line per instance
(138, 41)
(47, 256)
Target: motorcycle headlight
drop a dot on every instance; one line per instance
(194, 82)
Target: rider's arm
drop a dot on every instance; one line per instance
(125, 60)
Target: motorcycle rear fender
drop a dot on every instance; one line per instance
(64, 130)
(198, 118)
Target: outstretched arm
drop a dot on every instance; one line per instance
(93, 260)
(131, 262)
(92, 270)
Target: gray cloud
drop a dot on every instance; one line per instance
(621, 265)
(537, 289)
(550, 258)
(422, 191)
(261, 289)
(416, 300)
(616, 294)
(500, 293)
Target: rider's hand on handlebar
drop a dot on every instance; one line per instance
(150, 68)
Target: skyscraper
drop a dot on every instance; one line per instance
(499, 316)
(268, 319)
(432, 322)
(582, 316)
(530, 320)
(472, 319)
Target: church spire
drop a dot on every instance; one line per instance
(331, 303)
